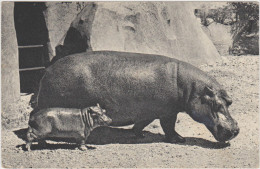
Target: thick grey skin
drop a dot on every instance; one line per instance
(136, 89)
(64, 123)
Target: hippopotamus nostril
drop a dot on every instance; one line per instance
(236, 123)
(235, 132)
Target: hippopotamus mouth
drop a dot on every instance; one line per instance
(222, 134)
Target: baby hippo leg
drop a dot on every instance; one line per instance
(82, 145)
(83, 139)
(30, 138)
(38, 135)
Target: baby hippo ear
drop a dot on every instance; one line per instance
(98, 105)
(92, 112)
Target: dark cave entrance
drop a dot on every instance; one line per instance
(32, 37)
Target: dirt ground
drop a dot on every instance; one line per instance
(117, 147)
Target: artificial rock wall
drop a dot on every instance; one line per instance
(165, 28)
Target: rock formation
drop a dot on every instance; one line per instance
(165, 28)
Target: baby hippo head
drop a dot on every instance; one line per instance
(98, 116)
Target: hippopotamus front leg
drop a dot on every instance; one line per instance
(139, 126)
(168, 126)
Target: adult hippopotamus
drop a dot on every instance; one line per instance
(137, 88)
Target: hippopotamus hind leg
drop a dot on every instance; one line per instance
(168, 126)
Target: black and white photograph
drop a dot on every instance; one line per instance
(130, 84)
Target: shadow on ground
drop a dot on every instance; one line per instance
(108, 135)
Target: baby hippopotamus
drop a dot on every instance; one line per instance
(65, 123)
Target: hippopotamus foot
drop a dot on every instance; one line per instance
(168, 126)
(176, 138)
(139, 126)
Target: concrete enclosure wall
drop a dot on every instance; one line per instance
(10, 85)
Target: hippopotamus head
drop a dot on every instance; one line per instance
(210, 107)
(98, 116)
